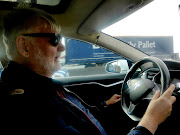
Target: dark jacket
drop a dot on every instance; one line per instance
(30, 105)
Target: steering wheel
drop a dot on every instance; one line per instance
(138, 90)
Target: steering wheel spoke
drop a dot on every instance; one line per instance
(131, 108)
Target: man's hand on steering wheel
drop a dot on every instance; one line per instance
(158, 110)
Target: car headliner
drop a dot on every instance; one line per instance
(84, 19)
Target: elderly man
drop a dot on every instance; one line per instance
(34, 103)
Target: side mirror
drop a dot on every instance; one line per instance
(117, 66)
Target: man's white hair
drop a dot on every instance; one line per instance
(21, 21)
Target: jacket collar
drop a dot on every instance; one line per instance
(15, 72)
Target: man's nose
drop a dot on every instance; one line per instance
(61, 47)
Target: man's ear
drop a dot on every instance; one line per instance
(22, 46)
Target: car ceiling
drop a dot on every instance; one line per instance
(80, 19)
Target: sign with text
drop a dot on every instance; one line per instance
(154, 46)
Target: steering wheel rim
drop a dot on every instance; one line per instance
(134, 91)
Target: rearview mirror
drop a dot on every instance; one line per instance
(117, 66)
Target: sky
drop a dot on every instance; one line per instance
(159, 18)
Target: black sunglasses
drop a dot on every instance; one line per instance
(54, 37)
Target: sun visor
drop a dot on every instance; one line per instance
(109, 12)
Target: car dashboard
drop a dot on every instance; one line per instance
(154, 74)
(174, 70)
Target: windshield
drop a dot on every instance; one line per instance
(154, 29)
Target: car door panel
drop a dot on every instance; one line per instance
(93, 91)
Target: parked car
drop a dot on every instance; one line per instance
(60, 73)
(1, 68)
